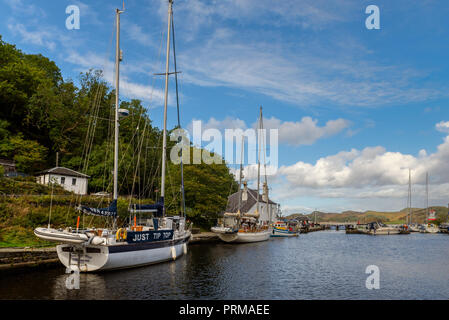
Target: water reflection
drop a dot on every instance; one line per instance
(319, 265)
(92, 287)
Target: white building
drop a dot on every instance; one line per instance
(248, 204)
(70, 180)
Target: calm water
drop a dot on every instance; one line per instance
(318, 265)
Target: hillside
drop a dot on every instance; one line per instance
(44, 115)
(393, 217)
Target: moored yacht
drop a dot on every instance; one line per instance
(149, 237)
(248, 215)
(429, 228)
(444, 227)
(377, 228)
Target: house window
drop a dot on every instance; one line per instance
(62, 180)
(73, 182)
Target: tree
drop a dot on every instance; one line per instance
(207, 187)
(28, 155)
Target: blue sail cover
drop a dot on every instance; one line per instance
(157, 208)
(111, 211)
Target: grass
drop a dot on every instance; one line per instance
(21, 214)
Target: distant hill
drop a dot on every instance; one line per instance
(418, 215)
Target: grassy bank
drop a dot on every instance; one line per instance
(19, 215)
(25, 205)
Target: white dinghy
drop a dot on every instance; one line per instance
(61, 236)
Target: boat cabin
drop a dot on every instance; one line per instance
(149, 222)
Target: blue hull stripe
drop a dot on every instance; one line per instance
(145, 245)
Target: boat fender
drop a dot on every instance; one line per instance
(97, 240)
(121, 234)
(173, 253)
(184, 247)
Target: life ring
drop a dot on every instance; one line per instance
(121, 234)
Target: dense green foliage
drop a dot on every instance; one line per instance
(44, 114)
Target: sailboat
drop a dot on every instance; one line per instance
(154, 239)
(430, 214)
(412, 227)
(246, 227)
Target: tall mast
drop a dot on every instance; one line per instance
(265, 185)
(240, 176)
(167, 68)
(427, 196)
(258, 161)
(118, 58)
(183, 200)
(410, 196)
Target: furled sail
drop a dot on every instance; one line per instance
(157, 208)
(111, 211)
(265, 192)
(245, 191)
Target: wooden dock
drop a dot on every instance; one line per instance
(19, 259)
(312, 229)
(203, 237)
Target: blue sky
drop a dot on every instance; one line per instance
(355, 107)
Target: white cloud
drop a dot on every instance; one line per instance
(304, 78)
(40, 37)
(315, 14)
(18, 6)
(136, 33)
(129, 89)
(269, 61)
(303, 132)
(372, 178)
(227, 123)
(443, 126)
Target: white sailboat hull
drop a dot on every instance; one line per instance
(121, 256)
(245, 237)
(384, 231)
(430, 230)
